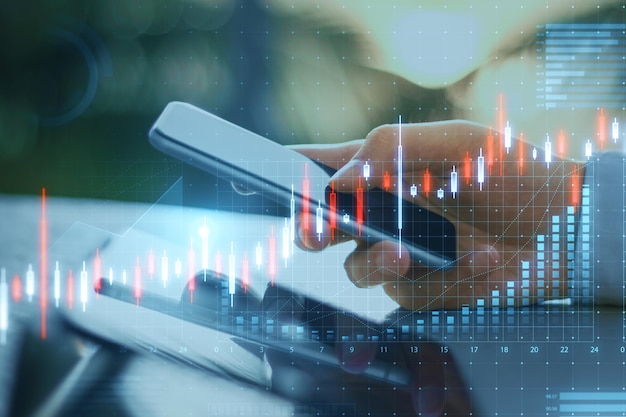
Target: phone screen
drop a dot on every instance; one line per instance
(379, 211)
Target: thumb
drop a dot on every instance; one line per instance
(375, 159)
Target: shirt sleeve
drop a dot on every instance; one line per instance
(600, 243)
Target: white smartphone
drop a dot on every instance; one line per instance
(252, 162)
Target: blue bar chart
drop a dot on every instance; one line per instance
(580, 65)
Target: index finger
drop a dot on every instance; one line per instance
(446, 142)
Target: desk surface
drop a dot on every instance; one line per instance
(548, 360)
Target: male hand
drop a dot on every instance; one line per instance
(508, 237)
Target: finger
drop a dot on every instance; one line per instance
(439, 147)
(308, 238)
(381, 262)
(421, 143)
